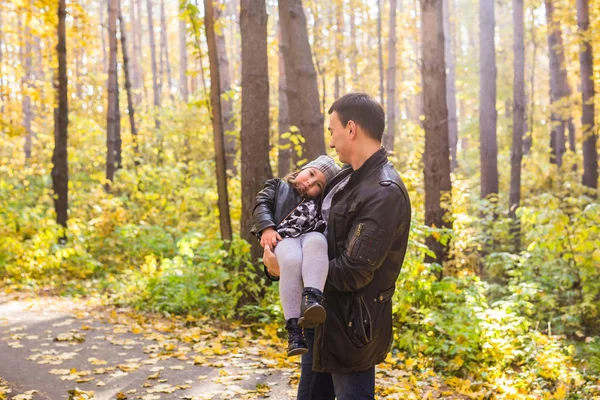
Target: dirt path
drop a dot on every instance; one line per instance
(52, 345)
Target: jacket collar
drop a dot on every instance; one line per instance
(376, 160)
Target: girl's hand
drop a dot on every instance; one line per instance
(270, 260)
(269, 237)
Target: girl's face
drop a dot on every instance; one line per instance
(310, 182)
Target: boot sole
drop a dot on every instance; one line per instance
(312, 316)
(297, 352)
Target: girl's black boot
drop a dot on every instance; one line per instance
(313, 312)
(296, 342)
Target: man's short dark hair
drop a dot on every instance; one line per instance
(363, 110)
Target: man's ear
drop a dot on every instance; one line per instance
(352, 127)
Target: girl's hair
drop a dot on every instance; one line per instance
(291, 177)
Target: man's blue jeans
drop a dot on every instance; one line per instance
(326, 386)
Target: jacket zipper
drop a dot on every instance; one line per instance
(355, 238)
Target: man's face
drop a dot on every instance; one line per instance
(340, 139)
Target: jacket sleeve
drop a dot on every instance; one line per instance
(369, 239)
(264, 207)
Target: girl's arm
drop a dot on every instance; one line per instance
(264, 207)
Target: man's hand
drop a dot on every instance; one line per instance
(269, 237)
(270, 260)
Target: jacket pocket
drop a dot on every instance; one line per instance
(360, 323)
(365, 243)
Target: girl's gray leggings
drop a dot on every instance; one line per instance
(303, 262)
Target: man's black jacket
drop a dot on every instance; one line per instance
(367, 235)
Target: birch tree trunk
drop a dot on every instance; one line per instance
(135, 74)
(103, 36)
(488, 115)
(183, 82)
(111, 115)
(590, 153)
(60, 168)
(303, 92)
(388, 139)
(217, 122)
(518, 115)
(339, 46)
(130, 106)
(255, 111)
(450, 87)
(227, 105)
(140, 87)
(353, 47)
(436, 157)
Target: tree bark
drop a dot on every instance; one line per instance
(165, 48)
(26, 82)
(183, 82)
(450, 88)
(130, 106)
(111, 115)
(560, 90)
(339, 45)
(103, 36)
(353, 47)
(227, 105)
(518, 114)
(301, 79)
(256, 168)
(155, 84)
(437, 156)
(590, 153)
(388, 139)
(60, 168)
(380, 49)
(135, 75)
(140, 85)
(217, 122)
(487, 100)
(284, 157)
(528, 140)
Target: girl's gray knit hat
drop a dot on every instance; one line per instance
(326, 165)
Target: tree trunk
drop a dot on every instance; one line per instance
(437, 156)
(590, 153)
(183, 84)
(165, 48)
(301, 79)
(487, 100)
(353, 47)
(140, 86)
(26, 83)
(388, 139)
(111, 115)
(217, 122)
(518, 115)
(2, 100)
(339, 45)
(60, 168)
(155, 85)
(450, 87)
(380, 49)
(135, 75)
(559, 87)
(130, 107)
(103, 36)
(284, 157)
(255, 111)
(528, 140)
(227, 105)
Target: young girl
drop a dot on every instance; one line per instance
(286, 219)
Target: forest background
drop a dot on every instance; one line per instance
(136, 134)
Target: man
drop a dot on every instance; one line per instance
(367, 210)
